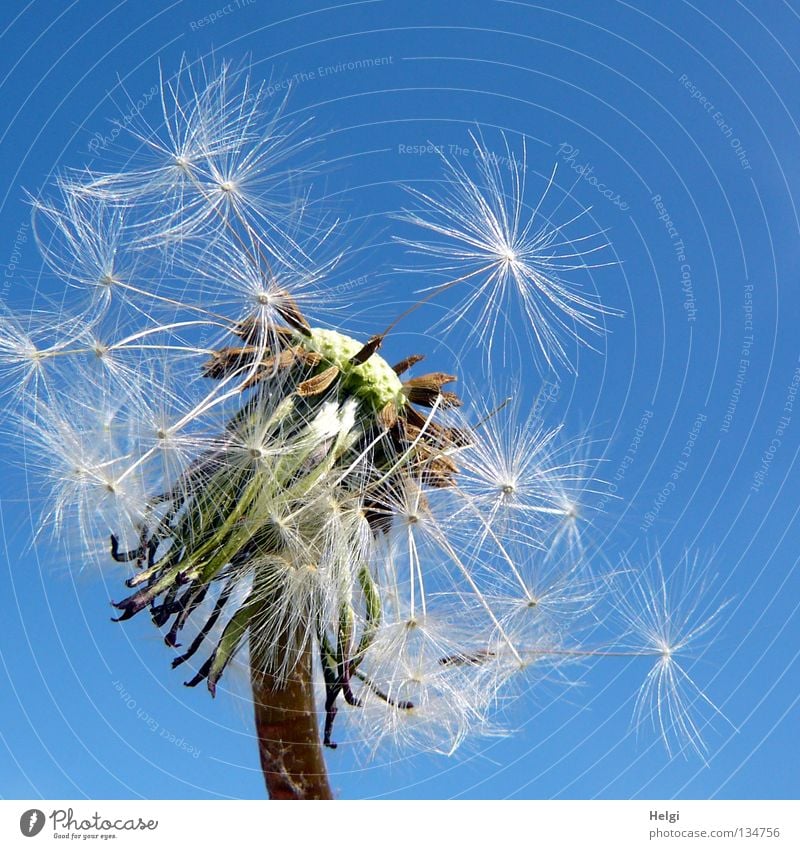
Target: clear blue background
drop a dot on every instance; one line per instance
(603, 78)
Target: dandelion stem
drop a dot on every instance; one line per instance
(595, 653)
(436, 290)
(286, 726)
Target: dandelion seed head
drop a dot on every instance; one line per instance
(509, 256)
(277, 486)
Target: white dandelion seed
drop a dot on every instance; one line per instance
(221, 158)
(21, 360)
(79, 449)
(83, 241)
(524, 478)
(667, 616)
(507, 257)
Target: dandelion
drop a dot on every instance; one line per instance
(20, 357)
(507, 257)
(524, 477)
(277, 489)
(219, 156)
(667, 616)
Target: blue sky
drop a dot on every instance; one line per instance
(675, 123)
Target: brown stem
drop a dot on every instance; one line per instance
(287, 729)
